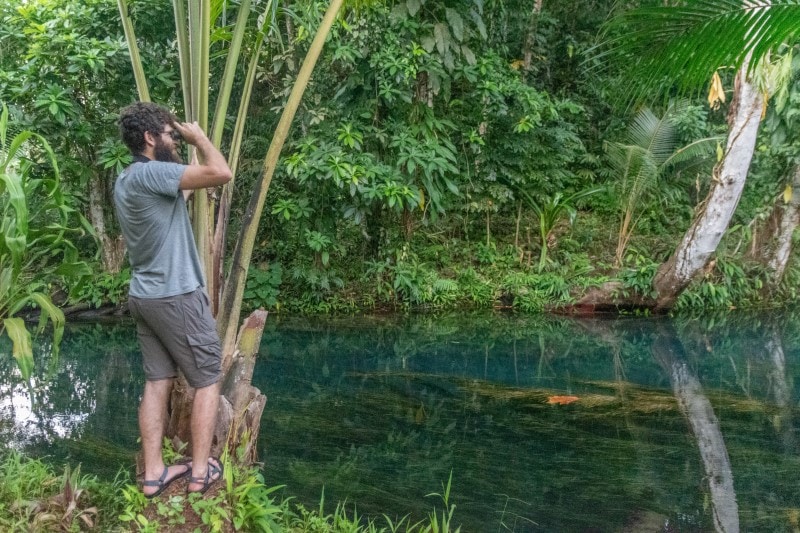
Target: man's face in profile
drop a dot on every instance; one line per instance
(166, 147)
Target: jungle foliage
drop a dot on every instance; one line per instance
(430, 165)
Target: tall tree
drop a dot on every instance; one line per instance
(679, 48)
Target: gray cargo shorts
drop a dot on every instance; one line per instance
(178, 332)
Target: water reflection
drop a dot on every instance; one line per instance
(79, 406)
(668, 350)
(679, 425)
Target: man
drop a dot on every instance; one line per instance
(166, 297)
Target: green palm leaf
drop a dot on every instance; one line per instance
(693, 151)
(680, 47)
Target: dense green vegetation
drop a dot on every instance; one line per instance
(33, 497)
(480, 153)
(443, 156)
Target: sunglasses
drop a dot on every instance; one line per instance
(175, 135)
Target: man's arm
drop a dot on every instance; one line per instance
(214, 170)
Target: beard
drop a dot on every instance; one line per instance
(164, 153)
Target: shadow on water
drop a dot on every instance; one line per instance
(546, 423)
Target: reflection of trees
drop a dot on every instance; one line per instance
(83, 403)
(754, 347)
(668, 350)
(781, 391)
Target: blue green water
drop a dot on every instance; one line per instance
(676, 422)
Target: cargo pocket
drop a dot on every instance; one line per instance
(205, 348)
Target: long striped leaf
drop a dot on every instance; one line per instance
(52, 313)
(16, 232)
(21, 345)
(13, 148)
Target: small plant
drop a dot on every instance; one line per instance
(212, 513)
(262, 285)
(33, 498)
(475, 288)
(105, 288)
(64, 508)
(445, 523)
(551, 211)
(726, 285)
(486, 254)
(321, 245)
(638, 278)
(135, 502)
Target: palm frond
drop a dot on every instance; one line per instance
(679, 48)
(656, 135)
(699, 149)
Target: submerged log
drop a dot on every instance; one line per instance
(241, 404)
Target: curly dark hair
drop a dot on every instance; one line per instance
(140, 117)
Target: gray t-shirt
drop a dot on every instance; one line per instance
(155, 223)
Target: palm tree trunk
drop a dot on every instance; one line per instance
(701, 240)
(133, 50)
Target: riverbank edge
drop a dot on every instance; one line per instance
(34, 494)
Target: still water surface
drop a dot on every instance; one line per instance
(545, 423)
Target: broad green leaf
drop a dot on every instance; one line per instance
(442, 36)
(456, 23)
(5, 283)
(75, 269)
(413, 6)
(21, 345)
(50, 312)
(469, 55)
(478, 20)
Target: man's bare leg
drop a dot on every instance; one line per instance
(204, 419)
(152, 420)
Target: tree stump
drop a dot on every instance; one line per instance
(241, 404)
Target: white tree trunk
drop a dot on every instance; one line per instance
(782, 245)
(112, 249)
(668, 351)
(781, 390)
(711, 221)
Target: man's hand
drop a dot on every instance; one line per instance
(191, 132)
(213, 170)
